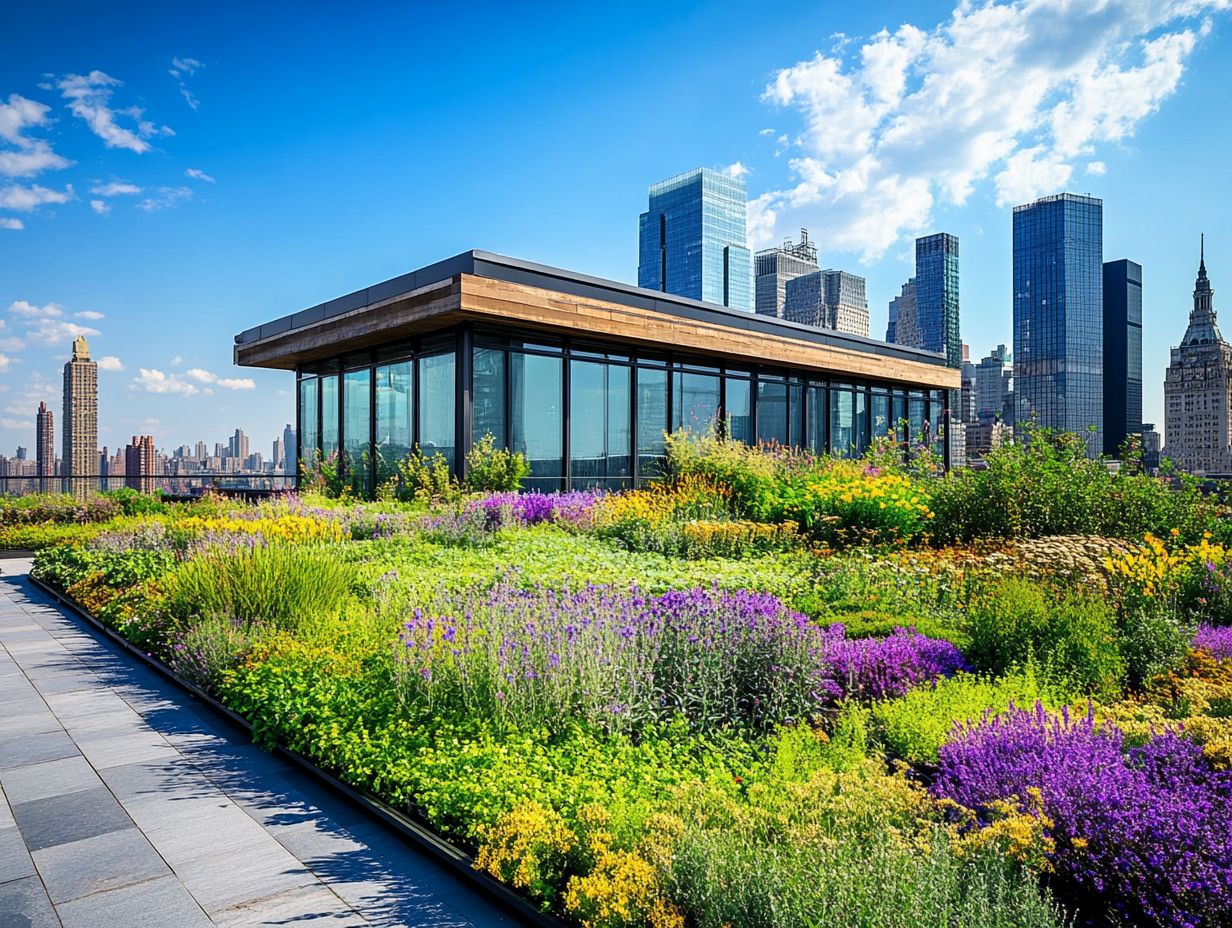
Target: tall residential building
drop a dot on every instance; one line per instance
(1059, 315)
(693, 239)
(1122, 353)
(1198, 389)
(238, 445)
(202, 452)
(994, 387)
(829, 300)
(278, 454)
(904, 325)
(289, 445)
(21, 452)
(966, 397)
(44, 446)
(936, 293)
(80, 422)
(776, 266)
(140, 464)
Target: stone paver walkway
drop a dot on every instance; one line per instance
(125, 803)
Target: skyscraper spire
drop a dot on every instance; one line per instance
(1202, 328)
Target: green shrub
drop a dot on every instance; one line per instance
(280, 585)
(424, 478)
(62, 566)
(1153, 642)
(913, 727)
(1073, 636)
(871, 623)
(135, 503)
(494, 470)
(56, 508)
(209, 649)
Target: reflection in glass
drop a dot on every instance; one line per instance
(772, 412)
(489, 394)
(651, 421)
(329, 415)
(816, 419)
(356, 423)
(437, 389)
(738, 414)
(307, 421)
(537, 417)
(842, 424)
(395, 406)
(860, 436)
(599, 428)
(695, 401)
(794, 406)
(882, 424)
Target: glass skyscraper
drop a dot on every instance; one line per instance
(1122, 353)
(936, 295)
(1058, 315)
(693, 239)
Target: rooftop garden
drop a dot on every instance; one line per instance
(771, 689)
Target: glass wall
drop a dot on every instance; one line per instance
(536, 414)
(395, 411)
(437, 391)
(308, 412)
(329, 415)
(600, 437)
(356, 427)
(489, 396)
(583, 417)
(652, 399)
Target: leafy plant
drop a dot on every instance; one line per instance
(494, 470)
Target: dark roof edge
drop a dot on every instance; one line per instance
(515, 270)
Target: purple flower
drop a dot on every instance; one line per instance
(1216, 641)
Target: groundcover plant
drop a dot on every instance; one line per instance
(769, 689)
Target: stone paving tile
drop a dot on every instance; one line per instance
(70, 817)
(24, 904)
(20, 750)
(160, 903)
(107, 861)
(15, 862)
(307, 905)
(50, 778)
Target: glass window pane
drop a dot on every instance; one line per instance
(356, 425)
(395, 405)
(915, 418)
(899, 419)
(599, 428)
(881, 415)
(651, 420)
(536, 392)
(936, 410)
(794, 414)
(437, 392)
(489, 394)
(695, 401)
(861, 423)
(307, 420)
(772, 412)
(329, 415)
(815, 431)
(739, 412)
(842, 423)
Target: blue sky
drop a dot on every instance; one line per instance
(170, 175)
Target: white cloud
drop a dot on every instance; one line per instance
(1012, 93)
(155, 381)
(735, 169)
(8, 222)
(165, 198)
(177, 361)
(110, 362)
(89, 99)
(5, 363)
(198, 174)
(116, 188)
(22, 198)
(1097, 167)
(91, 314)
(100, 206)
(181, 67)
(230, 383)
(28, 310)
(8, 423)
(12, 344)
(59, 332)
(32, 156)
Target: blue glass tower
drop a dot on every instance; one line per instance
(1059, 315)
(693, 241)
(936, 294)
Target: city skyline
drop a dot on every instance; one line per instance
(209, 209)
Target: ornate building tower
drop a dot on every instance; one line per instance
(1198, 389)
(80, 422)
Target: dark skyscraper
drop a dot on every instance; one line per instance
(1122, 352)
(1059, 315)
(936, 295)
(44, 445)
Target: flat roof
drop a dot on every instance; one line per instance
(513, 270)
